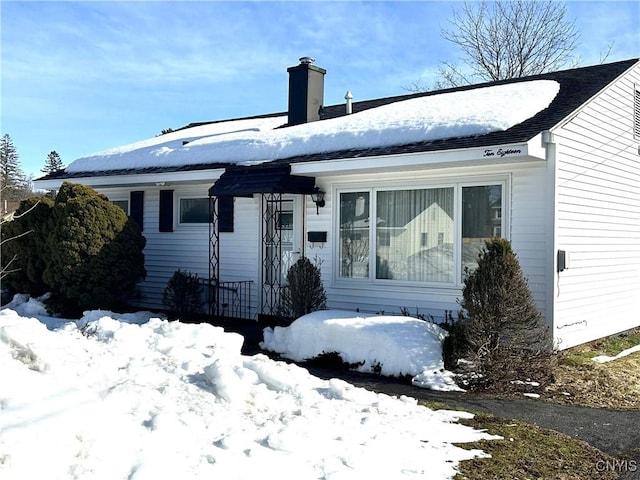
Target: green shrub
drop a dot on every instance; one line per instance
(455, 345)
(183, 294)
(504, 331)
(93, 251)
(23, 241)
(305, 292)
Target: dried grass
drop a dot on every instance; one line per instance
(615, 384)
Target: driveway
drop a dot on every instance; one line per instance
(616, 432)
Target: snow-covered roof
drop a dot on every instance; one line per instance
(258, 140)
(499, 113)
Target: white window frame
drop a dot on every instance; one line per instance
(457, 184)
(123, 199)
(178, 207)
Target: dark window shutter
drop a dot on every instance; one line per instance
(225, 214)
(136, 208)
(166, 211)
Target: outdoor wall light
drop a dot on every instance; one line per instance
(318, 198)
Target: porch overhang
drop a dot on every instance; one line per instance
(246, 181)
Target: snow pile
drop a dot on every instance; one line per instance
(390, 345)
(624, 353)
(249, 141)
(142, 398)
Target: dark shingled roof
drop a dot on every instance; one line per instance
(265, 178)
(577, 86)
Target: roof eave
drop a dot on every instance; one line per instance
(519, 152)
(134, 179)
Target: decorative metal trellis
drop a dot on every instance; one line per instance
(271, 182)
(271, 253)
(214, 257)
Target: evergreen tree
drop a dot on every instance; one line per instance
(165, 131)
(501, 325)
(305, 292)
(13, 183)
(93, 251)
(23, 258)
(53, 163)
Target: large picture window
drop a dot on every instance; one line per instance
(421, 235)
(413, 220)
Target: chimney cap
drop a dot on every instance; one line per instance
(307, 60)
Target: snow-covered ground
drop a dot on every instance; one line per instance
(136, 397)
(391, 345)
(624, 353)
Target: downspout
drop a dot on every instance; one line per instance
(551, 277)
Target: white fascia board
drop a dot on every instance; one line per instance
(492, 155)
(137, 180)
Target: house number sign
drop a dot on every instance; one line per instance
(501, 152)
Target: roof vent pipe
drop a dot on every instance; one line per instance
(349, 97)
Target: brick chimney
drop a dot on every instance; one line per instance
(306, 92)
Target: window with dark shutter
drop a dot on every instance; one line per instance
(225, 214)
(136, 208)
(166, 211)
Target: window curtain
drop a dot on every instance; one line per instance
(414, 235)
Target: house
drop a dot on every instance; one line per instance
(393, 196)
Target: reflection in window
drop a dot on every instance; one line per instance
(420, 227)
(354, 235)
(481, 220)
(194, 210)
(123, 204)
(422, 235)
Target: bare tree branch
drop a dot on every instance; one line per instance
(501, 40)
(15, 237)
(5, 269)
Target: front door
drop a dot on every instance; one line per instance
(282, 244)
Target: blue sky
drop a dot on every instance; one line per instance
(80, 77)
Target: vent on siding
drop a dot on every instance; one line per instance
(636, 111)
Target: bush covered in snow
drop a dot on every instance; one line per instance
(501, 326)
(305, 292)
(85, 250)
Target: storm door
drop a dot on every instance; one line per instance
(281, 244)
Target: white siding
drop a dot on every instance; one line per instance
(187, 247)
(598, 218)
(529, 233)
(530, 228)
